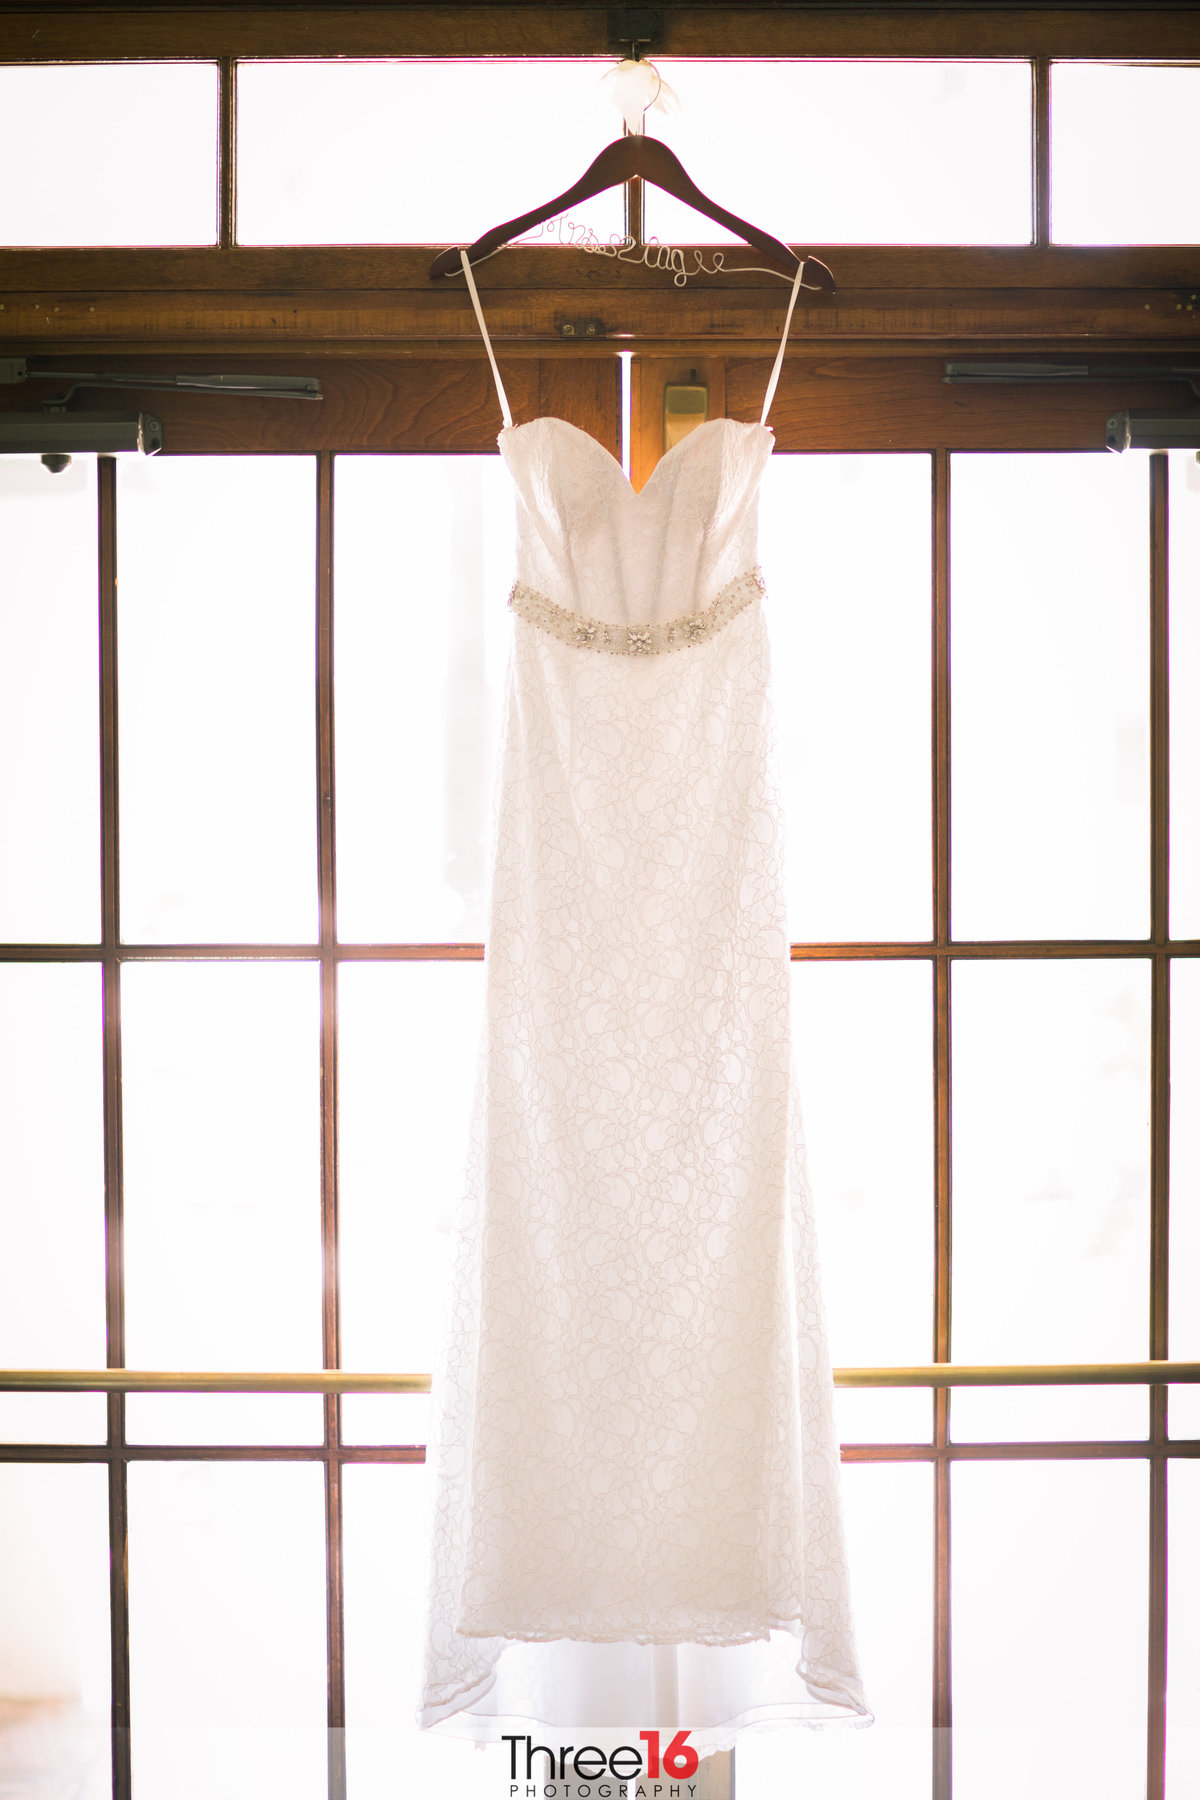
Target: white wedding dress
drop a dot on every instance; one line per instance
(637, 1519)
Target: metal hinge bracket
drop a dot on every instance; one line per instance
(634, 26)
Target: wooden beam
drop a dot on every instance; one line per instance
(50, 32)
(826, 402)
(395, 268)
(179, 322)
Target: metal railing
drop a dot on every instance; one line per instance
(339, 1381)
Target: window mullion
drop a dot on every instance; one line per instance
(1041, 150)
(1160, 1103)
(118, 1504)
(331, 1312)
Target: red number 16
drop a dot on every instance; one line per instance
(679, 1757)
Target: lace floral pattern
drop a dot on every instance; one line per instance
(634, 1441)
(637, 640)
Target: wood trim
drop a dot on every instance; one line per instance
(180, 322)
(227, 155)
(417, 406)
(828, 401)
(364, 300)
(1160, 1119)
(330, 1300)
(1128, 1450)
(359, 269)
(1041, 152)
(733, 28)
(940, 757)
(996, 950)
(114, 1233)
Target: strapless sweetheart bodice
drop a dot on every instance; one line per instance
(591, 546)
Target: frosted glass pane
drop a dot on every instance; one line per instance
(1183, 1410)
(424, 559)
(1123, 144)
(409, 1036)
(1049, 1570)
(54, 1635)
(1185, 685)
(1183, 1632)
(415, 152)
(1184, 1402)
(1048, 1415)
(1051, 1173)
(385, 1418)
(53, 1419)
(889, 1530)
(851, 152)
(225, 1418)
(218, 756)
(109, 153)
(51, 1192)
(865, 1061)
(883, 1415)
(222, 1195)
(227, 1630)
(49, 709)
(845, 550)
(1050, 650)
(386, 1581)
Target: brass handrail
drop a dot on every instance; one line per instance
(338, 1381)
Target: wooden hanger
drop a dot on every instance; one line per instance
(618, 163)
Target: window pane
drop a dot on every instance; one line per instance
(1051, 1183)
(227, 1629)
(851, 152)
(385, 1418)
(1050, 1555)
(225, 1418)
(889, 1528)
(1048, 1415)
(109, 153)
(386, 1581)
(409, 1035)
(415, 152)
(1184, 1402)
(424, 550)
(51, 1194)
(49, 687)
(218, 757)
(845, 551)
(1050, 781)
(1183, 1643)
(865, 1068)
(222, 1197)
(1124, 147)
(1185, 685)
(54, 1633)
(883, 1415)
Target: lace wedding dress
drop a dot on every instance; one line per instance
(636, 1518)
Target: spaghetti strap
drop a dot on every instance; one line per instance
(787, 325)
(505, 409)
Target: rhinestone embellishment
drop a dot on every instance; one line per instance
(637, 640)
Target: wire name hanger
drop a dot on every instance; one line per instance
(651, 160)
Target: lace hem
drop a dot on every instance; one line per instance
(637, 640)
